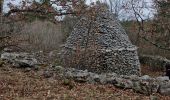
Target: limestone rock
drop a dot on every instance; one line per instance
(134, 78)
(145, 77)
(101, 45)
(93, 78)
(77, 75)
(59, 69)
(124, 83)
(48, 74)
(163, 78)
(22, 60)
(165, 88)
(154, 97)
(144, 84)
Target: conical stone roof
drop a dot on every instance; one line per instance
(99, 44)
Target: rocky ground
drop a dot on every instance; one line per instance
(21, 84)
(42, 82)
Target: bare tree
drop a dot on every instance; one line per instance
(116, 6)
(159, 22)
(46, 7)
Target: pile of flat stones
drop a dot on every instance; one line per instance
(100, 45)
(25, 59)
(141, 84)
(20, 60)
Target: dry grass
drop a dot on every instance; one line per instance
(33, 36)
(145, 70)
(43, 35)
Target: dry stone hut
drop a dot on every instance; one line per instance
(99, 44)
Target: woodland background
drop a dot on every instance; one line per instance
(35, 27)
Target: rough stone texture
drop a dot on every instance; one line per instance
(100, 45)
(165, 88)
(22, 60)
(144, 84)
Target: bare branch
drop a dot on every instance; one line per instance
(37, 11)
(141, 29)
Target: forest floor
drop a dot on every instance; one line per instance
(146, 70)
(19, 84)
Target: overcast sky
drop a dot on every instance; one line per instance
(146, 12)
(123, 14)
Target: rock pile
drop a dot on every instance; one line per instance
(22, 60)
(101, 45)
(144, 84)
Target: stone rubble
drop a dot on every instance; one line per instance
(21, 60)
(142, 84)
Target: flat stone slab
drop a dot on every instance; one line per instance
(21, 60)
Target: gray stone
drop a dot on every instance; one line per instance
(111, 78)
(103, 79)
(165, 91)
(165, 88)
(20, 59)
(26, 63)
(59, 69)
(123, 83)
(47, 74)
(145, 77)
(145, 87)
(119, 83)
(7, 50)
(100, 45)
(27, 69)
(111, 75)
(145, 84)
(77, 75)
(163, 78)
(142, 87)
(93, 78)
(134, 78)
(154, 97)
(155, 87)
(128, 84)
(136, 87)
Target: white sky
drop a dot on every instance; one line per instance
(146, 13)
